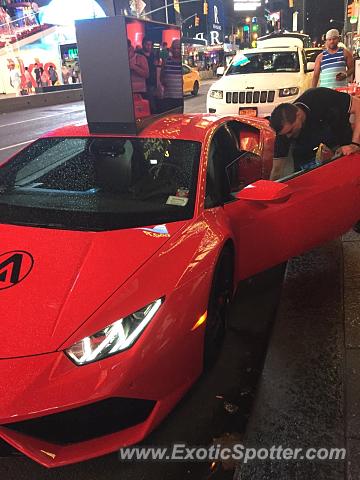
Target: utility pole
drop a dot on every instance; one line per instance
(304, 15)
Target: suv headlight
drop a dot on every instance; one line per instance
(118, 336)
(288, 92)
(218, 94)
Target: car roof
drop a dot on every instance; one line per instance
(193, 127)
(270, 48)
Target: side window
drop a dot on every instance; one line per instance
(185, 70)
(232, 165)
(223, 151)
(243, 171)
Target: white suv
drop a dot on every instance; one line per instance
(259, 79)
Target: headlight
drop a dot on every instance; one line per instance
(218, 94)
(288, 92)
(113, 339)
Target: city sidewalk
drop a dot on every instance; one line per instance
(309, 391)
(6, 96)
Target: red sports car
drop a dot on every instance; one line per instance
(119, 256)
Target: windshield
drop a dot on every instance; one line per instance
(268, 62)
(100, 183)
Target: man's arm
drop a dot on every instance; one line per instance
(316, 76)
(355, 110)
(278, 168)
(350, 66)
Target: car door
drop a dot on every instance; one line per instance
(308, 73)
(187, 79)
(273, 221)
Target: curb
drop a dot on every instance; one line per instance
(15, 104)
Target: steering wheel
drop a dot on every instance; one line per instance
(156, 169)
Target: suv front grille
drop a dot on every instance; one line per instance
(257, 96)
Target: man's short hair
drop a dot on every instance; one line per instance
(333, 33)
(283, 113)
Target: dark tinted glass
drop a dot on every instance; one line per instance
(100, 183)
(269, 62)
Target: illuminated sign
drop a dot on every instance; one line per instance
(215, 21)
(65, 12)
(246, 5)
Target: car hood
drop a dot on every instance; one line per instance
(269, 81)
(51, 281)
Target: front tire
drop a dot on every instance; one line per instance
(356, 227)
(218, 307)
(195, 89)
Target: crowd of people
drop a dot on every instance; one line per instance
(12, 18)
(26, 81)
(156, 74)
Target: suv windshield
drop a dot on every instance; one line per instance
(265, 62)
(100, 183)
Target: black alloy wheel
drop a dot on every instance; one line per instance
(195, 90)
(219, 306)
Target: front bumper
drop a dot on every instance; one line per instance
(45, 398)
(73, 413)
(263, 109)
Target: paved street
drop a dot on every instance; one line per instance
(19, 128)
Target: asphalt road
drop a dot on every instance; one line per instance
(219, 405)
(19, 128)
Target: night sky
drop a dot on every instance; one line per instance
(320, 12)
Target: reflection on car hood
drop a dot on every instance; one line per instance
(72, 274)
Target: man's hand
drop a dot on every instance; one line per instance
(347, 149)
(341, 76)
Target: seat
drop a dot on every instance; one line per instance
(283, 62)
(113, 164)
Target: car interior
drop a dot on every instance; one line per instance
(230, 167)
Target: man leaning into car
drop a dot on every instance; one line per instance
(319, 116)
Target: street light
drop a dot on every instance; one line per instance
(336, 21)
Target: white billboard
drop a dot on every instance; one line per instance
(246, 5)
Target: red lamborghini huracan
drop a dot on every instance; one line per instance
(118, 258)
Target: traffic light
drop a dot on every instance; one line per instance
(197, 21)
(291, 3)
(206, 8)
(351, 10)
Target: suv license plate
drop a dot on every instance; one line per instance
(249, 112)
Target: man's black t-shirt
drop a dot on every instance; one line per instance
(327, 121)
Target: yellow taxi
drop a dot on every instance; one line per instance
(191, 80)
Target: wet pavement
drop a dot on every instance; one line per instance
(309, 391)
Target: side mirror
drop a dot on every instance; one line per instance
(310, 66)
(265, 191)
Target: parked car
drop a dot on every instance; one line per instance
(191, 80)
(259, 79)
(119, 258)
